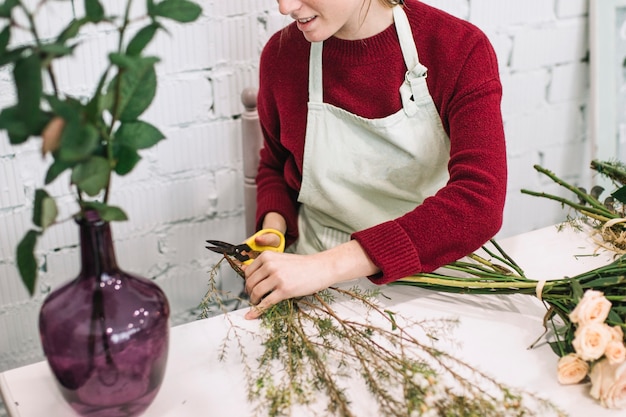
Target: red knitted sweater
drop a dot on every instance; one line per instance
(363, 77)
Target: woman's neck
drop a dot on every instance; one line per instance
(374, 18)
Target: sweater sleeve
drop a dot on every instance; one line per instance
(273, 193)
(467, 212)
(277, 179)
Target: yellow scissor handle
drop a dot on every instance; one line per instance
(253, 245)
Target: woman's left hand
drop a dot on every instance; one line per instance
(274, 277)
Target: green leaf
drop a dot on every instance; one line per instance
(179, 10)
(45, 209)
(93, 109)
(137, 89)
(620, 195)
(26, 262)
(135, 63)
(12, 55)
(17, 130)
(94, 10)
(604, 282)
(614, 316)
(56, 49)
(141, 39)
(5, 36)
(126, 159)
(138, 135)
(69, 109)
(78, 141)
(27, 76)
(56, 169)
(556, 348)
(92, 176)
(577, 290)
(71, 30)
(106, 212)
(7, 7)
(150, 7)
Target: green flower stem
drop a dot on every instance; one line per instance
(595, 211)
(503, 257)
(593, 202)
(470, 286)
(615, 171)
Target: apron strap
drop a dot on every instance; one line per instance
(315, 73)
(415, 70)
(416, 73)
(407, 44)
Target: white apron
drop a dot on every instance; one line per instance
(360, 172)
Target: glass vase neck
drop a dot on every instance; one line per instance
(96, 246)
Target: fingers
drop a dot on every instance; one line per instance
(260, 287)
(268, 239)
(257, 311)
(259, 291)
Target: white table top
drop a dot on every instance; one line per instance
(493, 335)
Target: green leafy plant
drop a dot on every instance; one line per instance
(92, 138)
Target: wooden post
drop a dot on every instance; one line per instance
(252, 142)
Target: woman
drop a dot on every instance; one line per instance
(378, 161)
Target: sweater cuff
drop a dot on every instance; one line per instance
(391, 249)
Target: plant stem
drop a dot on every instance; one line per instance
(614, 171)
(33, 30)
(117, 97)
(593, 202)
(599, 213)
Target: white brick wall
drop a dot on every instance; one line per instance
(189, 187)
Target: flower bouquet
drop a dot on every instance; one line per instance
(599, 346)
(586, 313)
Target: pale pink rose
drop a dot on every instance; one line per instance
(617, 334)
(615, 352)
(608, 384)
(591, 339)
(592, 308)
(571, 369)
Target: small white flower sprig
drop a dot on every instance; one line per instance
(599, 352)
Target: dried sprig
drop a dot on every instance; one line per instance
(315, 347)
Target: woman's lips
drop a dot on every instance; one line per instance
(304, 23)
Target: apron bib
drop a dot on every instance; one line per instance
(360, 172)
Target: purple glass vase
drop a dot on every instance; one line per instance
(106, 333)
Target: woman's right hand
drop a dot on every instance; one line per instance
(268, 239)
(276, 221)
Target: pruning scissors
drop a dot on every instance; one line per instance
(249, 250)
